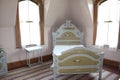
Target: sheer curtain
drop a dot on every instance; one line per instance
(108, 24)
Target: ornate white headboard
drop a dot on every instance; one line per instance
(67, 34)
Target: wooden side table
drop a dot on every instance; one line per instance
(31, 50)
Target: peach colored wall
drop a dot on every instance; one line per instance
(55, 15)
(7, 32)
(57, 12)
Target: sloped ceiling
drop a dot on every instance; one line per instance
(57, 12)
(60, 10)
(80, 13)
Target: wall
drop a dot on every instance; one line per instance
(7, 32)
(7, 25)
(82, 18)
(53, 18)
(90, 6)
(55, 15)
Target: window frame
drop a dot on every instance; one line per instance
(41, 23)
(95, 18)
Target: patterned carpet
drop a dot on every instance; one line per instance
(43, 72)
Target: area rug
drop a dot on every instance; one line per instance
(44, 72)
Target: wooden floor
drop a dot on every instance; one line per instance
(44, 72)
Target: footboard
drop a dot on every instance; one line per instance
(78, 61)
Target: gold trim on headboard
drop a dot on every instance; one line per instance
(68, 42)
(69, 28)
(68, 36)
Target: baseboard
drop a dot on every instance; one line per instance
(22, 63)
(111, 63)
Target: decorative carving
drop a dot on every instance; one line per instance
(69, 28)
(67, 35)
(68, 25)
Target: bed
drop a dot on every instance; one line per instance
(70, 56)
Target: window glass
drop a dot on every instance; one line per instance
(29, 23)
(108, 23)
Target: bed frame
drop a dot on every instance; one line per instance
(68, 34)
(78, 60)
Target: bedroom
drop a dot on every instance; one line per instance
(77, 11)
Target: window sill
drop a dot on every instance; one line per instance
(106, 47)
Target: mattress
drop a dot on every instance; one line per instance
(58, 49)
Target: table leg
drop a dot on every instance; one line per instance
(28, 59)
(40, 57)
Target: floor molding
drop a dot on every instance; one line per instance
(22, 63)
(44, 72)
(111, 63)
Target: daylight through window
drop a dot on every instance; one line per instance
(108, 24)
(29, 23)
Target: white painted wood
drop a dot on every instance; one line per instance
(31, 50)
(68, 27)
(3, 63)
(61, 50)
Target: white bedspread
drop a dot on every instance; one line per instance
(58, 49)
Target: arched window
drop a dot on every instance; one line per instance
(29, 23)
(108, 18)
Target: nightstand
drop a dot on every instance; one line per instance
(31, 50)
